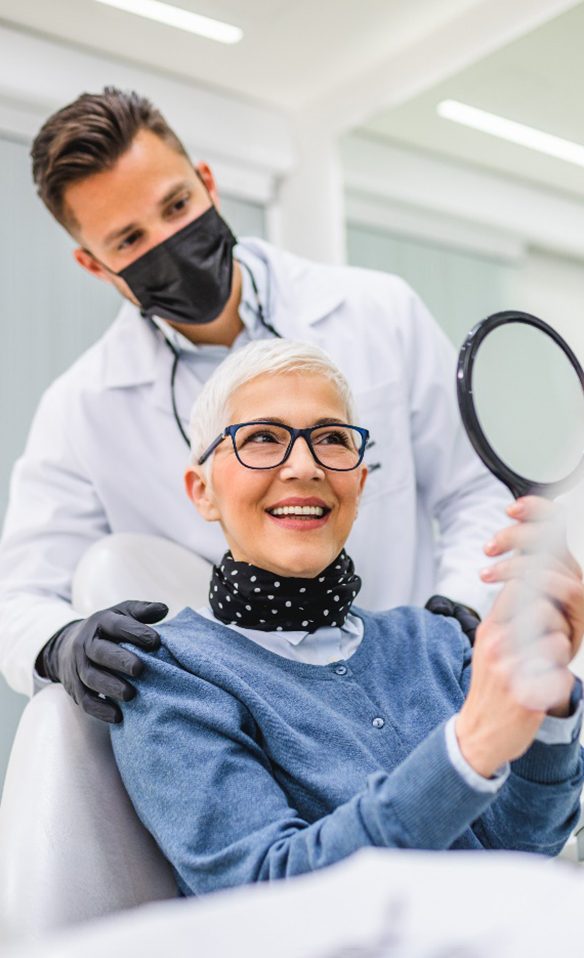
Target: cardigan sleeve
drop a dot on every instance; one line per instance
(191, 757)
(539, 805)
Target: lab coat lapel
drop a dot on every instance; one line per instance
(130, 350)
(136, 355)
(300, 292)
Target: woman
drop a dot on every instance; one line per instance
(282, 728)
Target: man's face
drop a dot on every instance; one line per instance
(150, 193)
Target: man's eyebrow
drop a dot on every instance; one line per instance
(118, 234)
(174, 191)
(131, 227)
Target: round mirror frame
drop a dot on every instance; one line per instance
(519, 485)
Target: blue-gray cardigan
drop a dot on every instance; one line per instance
(247, 766)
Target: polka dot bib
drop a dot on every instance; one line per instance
(242, 594)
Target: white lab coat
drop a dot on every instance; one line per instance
(105, 455)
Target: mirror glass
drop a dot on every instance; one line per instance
(530, 402)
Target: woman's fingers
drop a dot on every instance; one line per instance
(540, 617)
(520, 567)
(539, 529)
(554, 648)
(533, 509)
(529, 537)
(538, 595)
(543, 689)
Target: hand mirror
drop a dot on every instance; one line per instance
(521, 398)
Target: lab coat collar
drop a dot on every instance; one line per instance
(131, 348)
(300, 293)
(297, 294)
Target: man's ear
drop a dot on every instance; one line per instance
(198, 491)
(89, 262)
(205, 174)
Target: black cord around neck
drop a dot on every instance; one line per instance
(176, 352)
(260, 309)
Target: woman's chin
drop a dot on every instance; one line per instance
(297, 564)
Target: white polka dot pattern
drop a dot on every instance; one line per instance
(259, 600)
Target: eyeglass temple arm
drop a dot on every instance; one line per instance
(212, 447)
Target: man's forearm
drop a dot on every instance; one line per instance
(27, 621)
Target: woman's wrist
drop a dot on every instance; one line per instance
(475, 749)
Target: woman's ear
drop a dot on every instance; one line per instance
(199, 492)
(362, 478)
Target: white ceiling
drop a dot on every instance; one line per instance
(537, 80)
(296, 53)
(293, 51)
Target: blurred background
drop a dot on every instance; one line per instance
(442, 140)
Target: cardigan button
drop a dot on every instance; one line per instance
(378, 723)
(341, 670)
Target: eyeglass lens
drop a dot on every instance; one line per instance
(261, 446)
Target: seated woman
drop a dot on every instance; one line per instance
(282, 728)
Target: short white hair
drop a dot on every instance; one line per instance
(210, 413)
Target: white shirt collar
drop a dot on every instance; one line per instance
(352, 626)
(248, 307)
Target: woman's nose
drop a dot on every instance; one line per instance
(301, 463)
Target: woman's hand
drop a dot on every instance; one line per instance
(538, 616)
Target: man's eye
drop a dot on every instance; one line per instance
(178, 206)
(129, 241)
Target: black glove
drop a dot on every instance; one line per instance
(85, 658)
(467, 618)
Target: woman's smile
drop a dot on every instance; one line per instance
(298, 513)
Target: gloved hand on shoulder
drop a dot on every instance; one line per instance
(86, 657)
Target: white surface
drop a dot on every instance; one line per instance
(512, 131)
(71, 845)
(443, 186)
(138, 566)
(291, 53)
(180, 18)
(533, 80)
(377, 903)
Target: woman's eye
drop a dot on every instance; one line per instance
(262, 436)
(336, 438)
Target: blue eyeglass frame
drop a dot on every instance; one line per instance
(295, 434)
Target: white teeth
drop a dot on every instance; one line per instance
(298, 511)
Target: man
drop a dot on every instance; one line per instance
(107, 447)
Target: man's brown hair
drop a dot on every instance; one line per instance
(88, 136)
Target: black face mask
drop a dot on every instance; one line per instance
(187, 278)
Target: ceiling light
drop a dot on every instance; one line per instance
(510, 130)
(180, 18)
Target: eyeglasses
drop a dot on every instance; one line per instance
(264, 445)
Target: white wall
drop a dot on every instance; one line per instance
(552, 287)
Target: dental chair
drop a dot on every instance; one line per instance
(71, 845)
